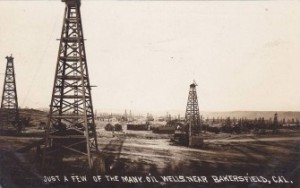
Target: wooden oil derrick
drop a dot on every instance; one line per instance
(192, 114)
(190, 133)
(71, 128)
(9, 112)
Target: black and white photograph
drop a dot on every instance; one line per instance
(150, 93)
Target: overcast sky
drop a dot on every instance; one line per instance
(143, 55)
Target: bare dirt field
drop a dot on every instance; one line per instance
(145, 154)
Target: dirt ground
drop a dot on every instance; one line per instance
(143, 153)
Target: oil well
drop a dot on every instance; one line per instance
(9, 112)
(70, 131)
(190, 133)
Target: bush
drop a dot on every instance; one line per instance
(118, 127)
(108, 127)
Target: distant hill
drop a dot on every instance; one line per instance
(252, 114)
(210, 114)
(36, 116)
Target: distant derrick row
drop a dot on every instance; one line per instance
(71, 126)
(9, 112)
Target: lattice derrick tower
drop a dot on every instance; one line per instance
(71, 126)
(9, 104)
(192, 114)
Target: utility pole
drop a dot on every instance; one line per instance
(275, 122)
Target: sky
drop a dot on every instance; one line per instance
(143, 55)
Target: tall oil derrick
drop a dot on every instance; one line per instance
(192, 115)
(71, 126)
(9, 112)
